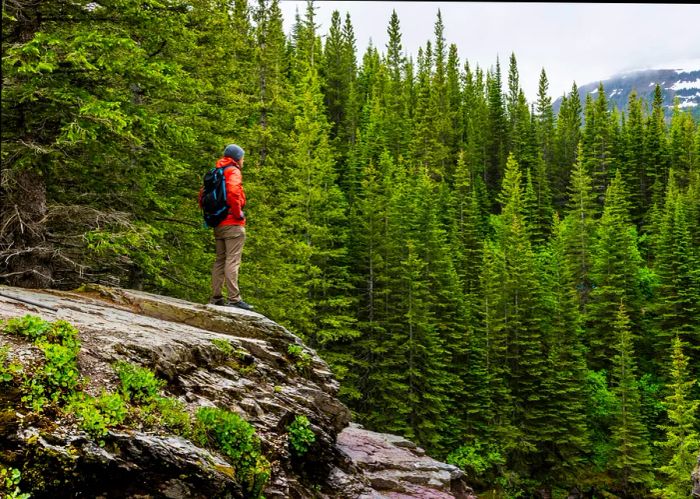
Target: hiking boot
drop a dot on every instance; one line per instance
(217, 300)
(240, 304)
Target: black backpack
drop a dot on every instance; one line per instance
(214, 206)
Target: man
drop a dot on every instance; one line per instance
(230, 233)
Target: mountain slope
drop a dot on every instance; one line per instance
(681, 83)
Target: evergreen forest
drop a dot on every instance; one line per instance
(516, 291)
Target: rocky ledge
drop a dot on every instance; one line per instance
(265, 382)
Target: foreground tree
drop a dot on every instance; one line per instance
(630, 461)
(682, 439)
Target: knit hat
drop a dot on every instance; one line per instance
(234, 151)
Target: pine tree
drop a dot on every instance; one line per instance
(337, 76)
(565, 441)
(352, 111)
(369, 251)
(630, 461)
(418, 266)
(475, 115)
(682, 439)
(497, 136)
(634, 162)
(678, 269)
(315, 210)
(440, 113)
(454, 101)
(545, 124)
(614, 273)
(682, 152)
(513, 99)
(578, 231)
(499, 410)
(395, 60)
(473, 399)
(519, 315)
(567, 138)
(597, 142)
(656, 157)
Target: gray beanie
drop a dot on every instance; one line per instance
(234, 151)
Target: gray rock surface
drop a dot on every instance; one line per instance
(397, 468)
(696, 480)
(264, 385)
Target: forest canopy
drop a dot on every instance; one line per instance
(517, 291)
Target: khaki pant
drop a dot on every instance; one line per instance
(229, 248)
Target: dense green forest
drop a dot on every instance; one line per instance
(516, 291)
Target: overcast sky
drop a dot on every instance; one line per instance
(581, 42)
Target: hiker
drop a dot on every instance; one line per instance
(230, 232)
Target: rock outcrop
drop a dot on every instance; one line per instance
(266, 384)
(696, 480)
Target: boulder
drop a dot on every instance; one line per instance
(261, 381)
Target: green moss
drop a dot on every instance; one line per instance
(48, 469)
(223, 345)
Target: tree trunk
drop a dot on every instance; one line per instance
(25, 255)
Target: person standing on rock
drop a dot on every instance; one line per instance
(229, 233)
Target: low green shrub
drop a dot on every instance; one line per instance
(30, 326)
(301, 437)
(173, 415)
(36, 329)
(301, 359)
(138, 384)
(8, 369)
(477, 459)
(9, 484)
(236, 439)
(58, 378)
(98, 414)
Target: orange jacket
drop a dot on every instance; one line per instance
(235, 195)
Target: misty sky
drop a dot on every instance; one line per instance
(581, 42)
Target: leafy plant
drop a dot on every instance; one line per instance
(98, 414)
(173, 415)
(302, 359)
(38, 330)
(477, 458)
(138, 384)
(236, 439)
(300, 435)
(60, 373)
(58, 378)
(8, 369)
(9, 483)
(31, 326)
